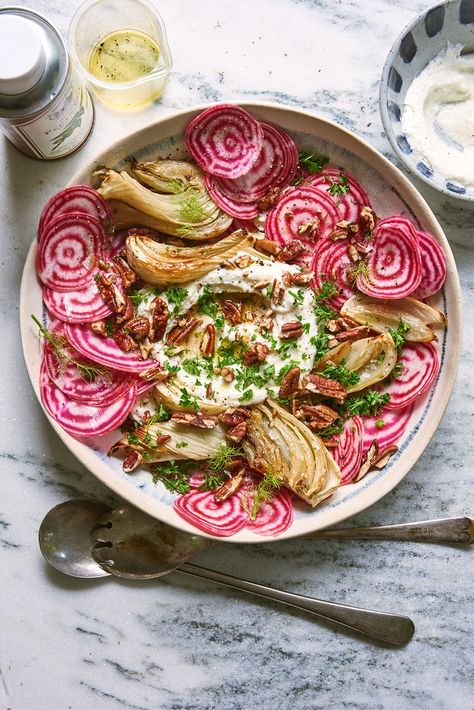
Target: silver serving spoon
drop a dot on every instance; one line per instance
(130, 544)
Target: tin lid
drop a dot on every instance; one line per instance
(22, 55)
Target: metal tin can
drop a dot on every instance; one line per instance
(45, 109)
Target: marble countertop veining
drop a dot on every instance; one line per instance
(178, 643)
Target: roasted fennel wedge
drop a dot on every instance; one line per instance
(163, 265)
(184, 442)
(280, 443)
(385, 315)
(169, 176)
(372, 358)
(190, 214)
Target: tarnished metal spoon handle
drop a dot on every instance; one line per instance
(451, 530)
(383, 626)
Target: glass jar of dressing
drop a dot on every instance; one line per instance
(45, 109)
(122, 51)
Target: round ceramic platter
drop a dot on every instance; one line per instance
(390, 193)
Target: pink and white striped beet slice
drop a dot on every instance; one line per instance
(105, 388)
(201, 510)
(395, 421)
(302, 213)
(420, 363)
(81, 306)
(68, 252)
(144, 386)
(76, 199)
(394, 264)
(332, 263)
(224, 140)
(274, 167)
(348, 203)
(348, 453)
(274, 517)
(81, 420)
(433, 265)
(105, 351)
(239, 210)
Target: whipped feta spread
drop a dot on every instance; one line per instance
(197, 376)
(438, 115)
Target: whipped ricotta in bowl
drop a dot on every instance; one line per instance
(438, 115)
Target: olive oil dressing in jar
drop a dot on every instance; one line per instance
(45, 109)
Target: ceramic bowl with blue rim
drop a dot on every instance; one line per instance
(420, 42)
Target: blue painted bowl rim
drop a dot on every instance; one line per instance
(386, 121)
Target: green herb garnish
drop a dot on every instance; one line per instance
(188, 401)
(60, 346)
(340, 373)
(174, 475)
(265, 491)
(339, 186)
(312, 162)
(398, 334)
(369, 403)
(176, 295)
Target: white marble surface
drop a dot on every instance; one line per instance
(182, 644)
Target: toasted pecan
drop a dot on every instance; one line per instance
(196, 419)
(290, 383)
(324, 386)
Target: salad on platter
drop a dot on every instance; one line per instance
(257, 332)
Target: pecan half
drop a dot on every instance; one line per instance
(133, 461)
(256, 353)
(310, 229)
(381, 459)
(229, 487)
(368, 219)
(125, 272)
(317, 416)
(269, 199)
(291, 251)
(290, 383)
(238, 432)
(353, 254)
(128, 311)
(232, 311)
(124, 341)
(98, 327)
(139, 328)
(159, 319)
(234, 416)
(324, 386)
(201, 421)
(154, 374)
(366, 463)
(208, 342)
(183, 330)
(278, 292)
(302, 278)
(162, 439)
(291, 330)
(227, 374)
(110, 291)
(267, 246)
(357, 333)
(244, 261)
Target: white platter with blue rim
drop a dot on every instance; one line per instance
(390, 193)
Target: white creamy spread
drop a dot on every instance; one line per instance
(297, 304)
(438, 115)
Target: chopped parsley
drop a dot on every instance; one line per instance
(340, 185)
(174, 475)
(322, 310)
(176, 295)
(368, 404)
(298, 297)
(181, 444)
(320, 343)
(192, 366)
(206, 303)
(397, 370)
(379, 423)
(249, 375)
(312, 162)
(340, 373)
(398, 334)
(138, 296)
(188, 401)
